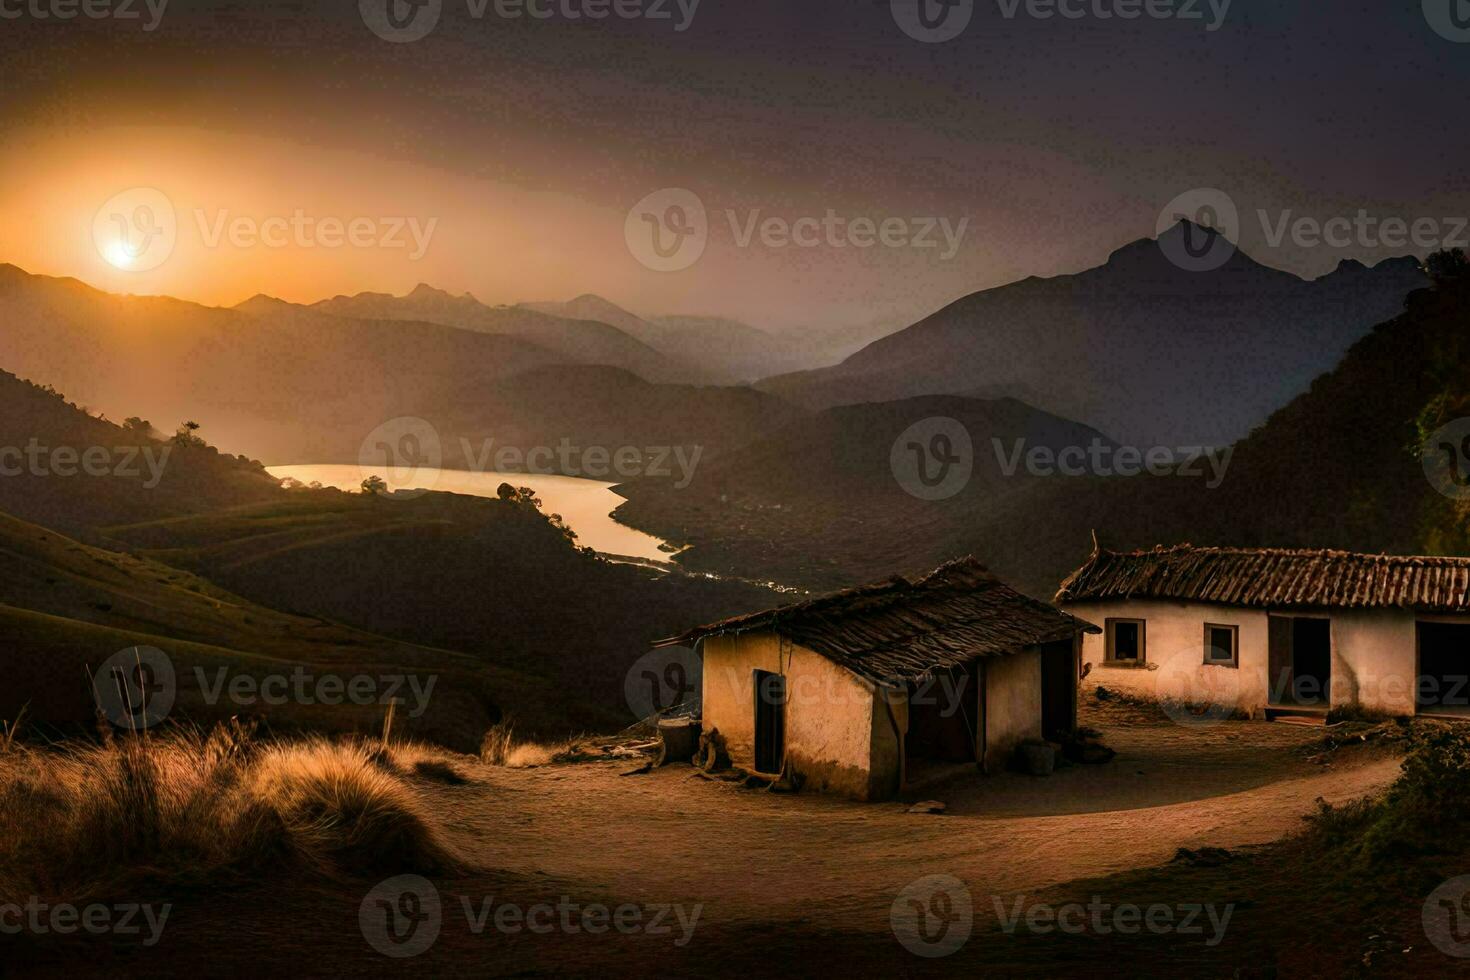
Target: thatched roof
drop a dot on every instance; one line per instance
(903, 629)
(1274, 578)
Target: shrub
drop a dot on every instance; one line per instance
(81, 821)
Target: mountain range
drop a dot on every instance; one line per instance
(1140, 347)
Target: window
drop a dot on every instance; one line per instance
(1126, 642)
(1221, 645)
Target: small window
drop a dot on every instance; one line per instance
(1221, 645)
(1126, 641)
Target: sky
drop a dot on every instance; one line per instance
(805, 163)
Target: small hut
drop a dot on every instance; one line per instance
(855, 691)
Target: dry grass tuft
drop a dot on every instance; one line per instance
(80, 821)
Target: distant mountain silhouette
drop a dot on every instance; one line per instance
(726, 351)
(1147, 351)
(1336, 467)
(294, 384)
(586, 340)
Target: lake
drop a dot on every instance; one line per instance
(585, 505)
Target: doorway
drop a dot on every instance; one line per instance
(1444, 668)
(1058, 690)
(770, 721)
(1300, 657)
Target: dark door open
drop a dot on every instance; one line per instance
(770, 721)
(1058, 690)
(1300, 660)
(1444, 667)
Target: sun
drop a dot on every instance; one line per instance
(117, 253)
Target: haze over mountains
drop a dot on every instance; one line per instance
(1188, 358)
(1334, 466)
(1147, 351)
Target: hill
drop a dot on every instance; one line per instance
(67, 608)
(64, 468)
(580, 340)
(1337, 466)
(492, 578)
(1147, 351)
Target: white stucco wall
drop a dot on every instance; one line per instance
(1374, 654)
(1174, 651)
(831, 715)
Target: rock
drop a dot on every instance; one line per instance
(927, 806)
(1037, 758)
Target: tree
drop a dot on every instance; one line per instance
(1447, 266)
(374, 485)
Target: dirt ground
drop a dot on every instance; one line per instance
(799, 884)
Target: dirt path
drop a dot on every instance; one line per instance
(755, 856)
(798, 885)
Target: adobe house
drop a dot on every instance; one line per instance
(1278, 633)
(852, 691)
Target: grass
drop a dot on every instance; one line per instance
(85, 822)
